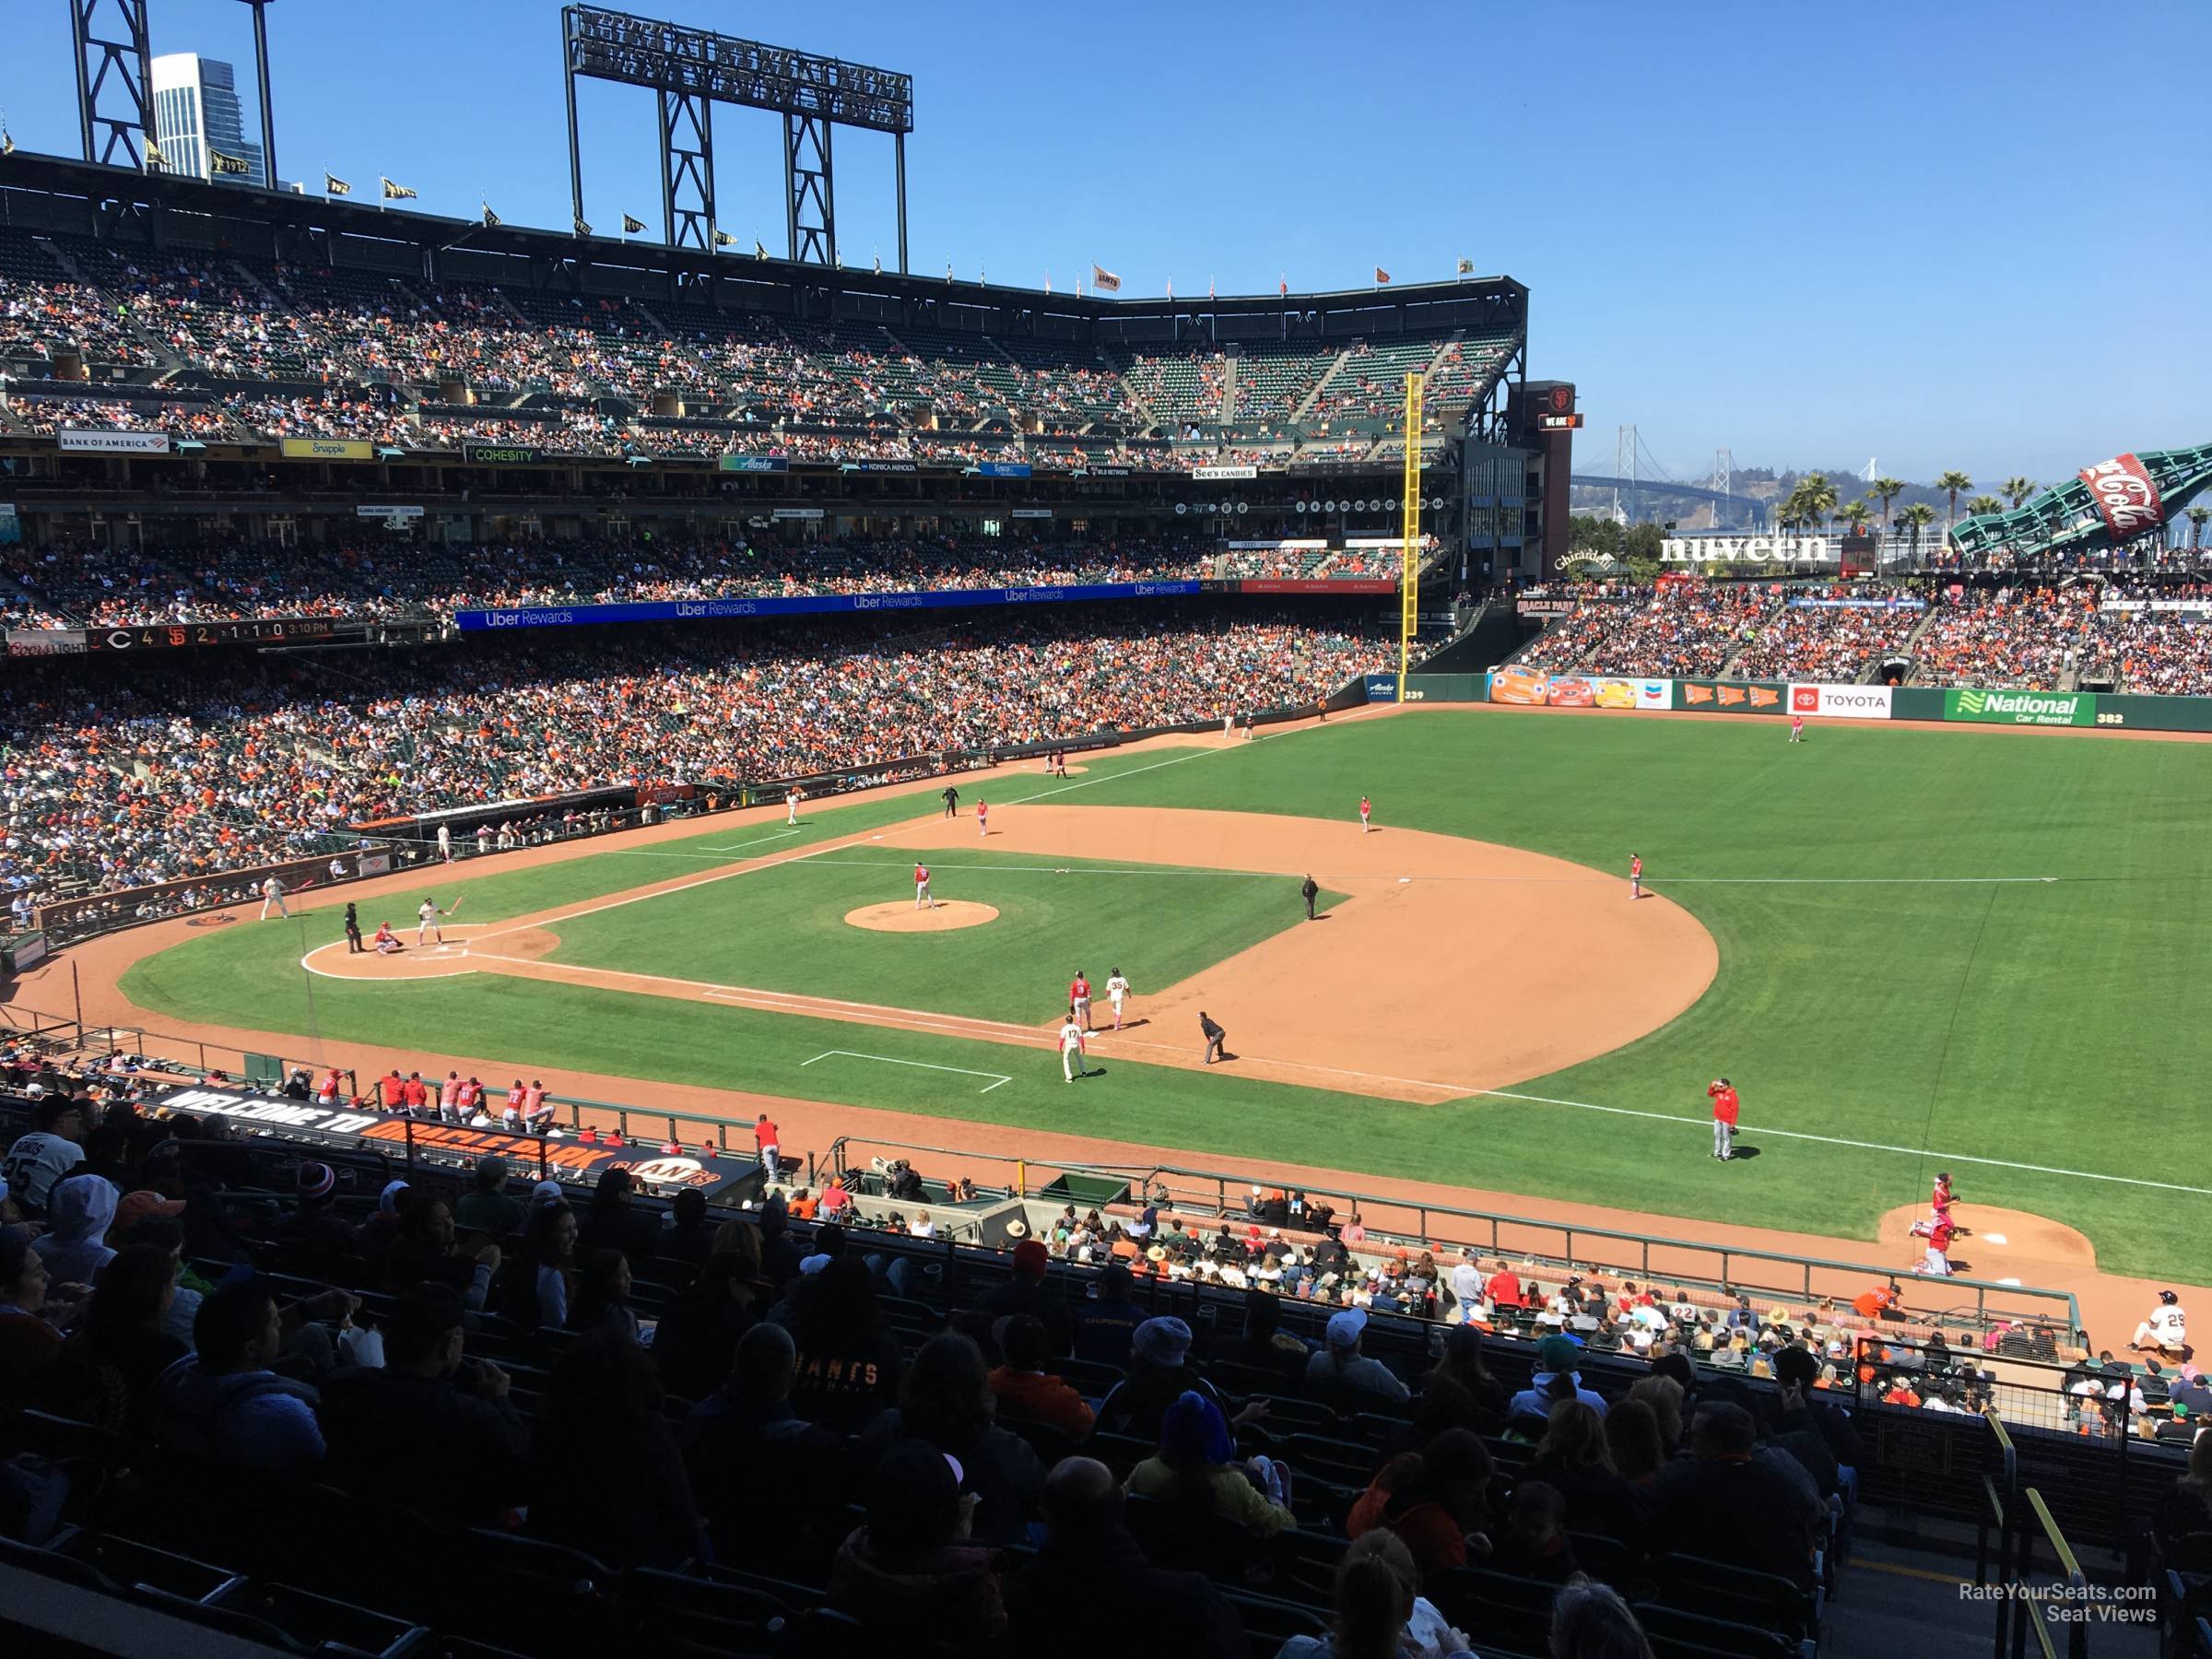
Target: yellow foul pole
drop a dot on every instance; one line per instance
(1409, 579)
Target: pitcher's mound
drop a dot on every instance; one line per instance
(902, 917)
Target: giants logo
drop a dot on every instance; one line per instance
(2124, 494)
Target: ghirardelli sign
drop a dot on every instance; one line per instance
(2124, 494)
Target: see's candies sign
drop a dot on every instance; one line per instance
(2124, 494)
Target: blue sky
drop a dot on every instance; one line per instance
(1959, 234)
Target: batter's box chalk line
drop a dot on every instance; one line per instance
(997, 1077)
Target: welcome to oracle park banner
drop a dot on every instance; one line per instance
(302, 1121)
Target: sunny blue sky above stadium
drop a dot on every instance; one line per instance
(1966, 234)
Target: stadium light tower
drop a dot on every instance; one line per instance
(691, 69)
(261, 77)
(113, 95)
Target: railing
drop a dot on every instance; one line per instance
(1441, 1227)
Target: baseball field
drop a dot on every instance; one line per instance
(1908, 949)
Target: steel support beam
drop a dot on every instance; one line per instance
(114, 94)
(687, 169)
(269, 104)
(810, 194)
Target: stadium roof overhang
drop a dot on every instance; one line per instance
(88, 199)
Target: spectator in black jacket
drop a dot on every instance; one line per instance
(433, 1429)
(1025, 1293)
(767, 1481)
(1091, 1576)
(948, 1401)
(689, 1236)
(1725, 1503)
(700, 1327)
(1574, 1459)
(612, 1222)
(606, 1476)
(1796, 1372)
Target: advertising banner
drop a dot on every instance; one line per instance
(501, 454)
(1747, 549)
(1610, 693)
(1382, 687)
(796, 512)
(1004, 469)
(881, 466)
(327, 449)
(1559, 607)
(2123, 492)
(377, 509)
(1225, 472)
(47, 642)
(113, 443)
(1515, 684)
(1858, 604)
(1731, 697)
(1032, 512)
(2020, 708)
(1840, 702)
(1319, 584)
(1570, 691)
(809, 605)
(754, 464)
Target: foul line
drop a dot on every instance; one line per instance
(918, 1065)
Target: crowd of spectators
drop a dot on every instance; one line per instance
(1837, 644)
(185, 776)
(1676, 629)
(2030, 637)
(76, 585)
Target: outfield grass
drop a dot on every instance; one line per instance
(1875, 985)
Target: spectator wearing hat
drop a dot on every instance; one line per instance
(2190, 1396)
(1023, 1388)
(79, 1211)
(49, 1152)
(1194, 1469)
(487, 1208)
(1341, 1370)
(431, 1427)
(1026, 1293)
(1555, 1356)
(1158, 1377)
(910, 1571)
(1091, 1576)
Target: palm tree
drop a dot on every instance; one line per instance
(2197, 515)
(1983, 504)
(1918, 515)
(1951, 482)
(1819, 497)
(1856, 514)
(1886, 491)
(2017, 490)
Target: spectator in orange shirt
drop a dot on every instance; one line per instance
(1025, 1390)
(802, 1205)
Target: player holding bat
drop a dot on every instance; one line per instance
(428, 918)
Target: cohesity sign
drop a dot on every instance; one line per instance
(2124, 494)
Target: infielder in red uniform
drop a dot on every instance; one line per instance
(983, 818)
(1079, 999)
(921, 899)
(1725, 1108)
(1635, 876)
(1366, 811)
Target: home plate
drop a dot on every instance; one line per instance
(2008, 1282)
(1404, 881)
(1994, 1239)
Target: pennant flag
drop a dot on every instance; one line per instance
(1048, 282)
(492, 219)
(1382, 275)
(1282, 285)
(948, 270)
(1105, 281)
(583, 229)
(878, 262)
(395, 192)
(223, 166)
(334, 185)
(1209, 287)
(1467, 267)
(153, 151)
(631, 224)
(7, 142)
(722, 239)
(759, 252)
(1171, 287)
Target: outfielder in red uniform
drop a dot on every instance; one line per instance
(1635, 876)
(1725, 1108)
(1366, 810)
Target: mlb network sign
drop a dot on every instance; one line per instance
(2022, 708)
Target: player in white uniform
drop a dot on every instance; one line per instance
(2167, 1328)
(445, 843)
(427, 921)
(791, 806)
(272, 892)
(1117, 992)
(921, 899)
(1071, 1049)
